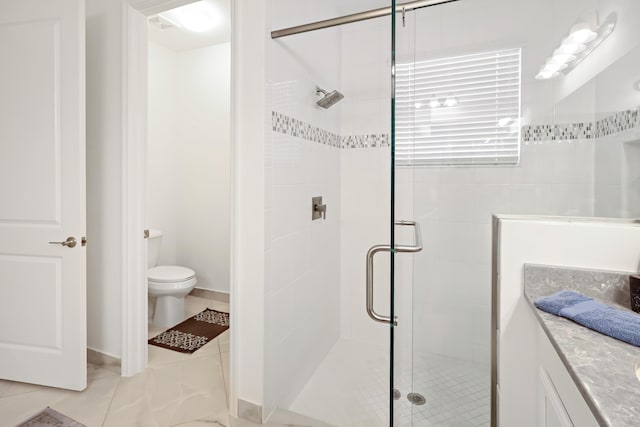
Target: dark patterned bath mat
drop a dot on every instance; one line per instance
(50, 418)
(193, 333)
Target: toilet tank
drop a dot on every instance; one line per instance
(153, 247)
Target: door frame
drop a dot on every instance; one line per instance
(134, 354)
(134, 143)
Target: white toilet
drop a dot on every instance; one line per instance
(169, 284)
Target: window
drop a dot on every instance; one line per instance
(462, 110)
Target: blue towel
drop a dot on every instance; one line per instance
(556, 302)
(616, 323)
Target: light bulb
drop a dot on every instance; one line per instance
(581, 33)
(434, 103)
(561, 58)
(418, 105)
(569, 48)
(451, 101)
(554, 67)
(545, 74)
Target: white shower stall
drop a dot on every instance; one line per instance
(464, 70)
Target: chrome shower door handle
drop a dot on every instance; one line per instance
(417, 240)
(71, 242)
(416, 247)
(370, 310)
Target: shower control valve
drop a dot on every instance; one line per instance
(318, 210)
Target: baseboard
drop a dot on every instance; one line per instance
(209, 294)
(104, 360)
(250, 411)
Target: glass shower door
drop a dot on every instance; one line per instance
(450, 126)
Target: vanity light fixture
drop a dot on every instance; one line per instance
(581, 41)
(197, 17)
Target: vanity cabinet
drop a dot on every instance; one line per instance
(559, 402)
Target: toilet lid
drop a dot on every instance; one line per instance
(170, 273)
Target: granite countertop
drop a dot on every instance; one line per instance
(605, 370)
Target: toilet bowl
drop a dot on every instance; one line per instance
(168, 285)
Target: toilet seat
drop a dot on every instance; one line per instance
(170, 274)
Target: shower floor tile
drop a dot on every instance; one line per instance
(350, 389)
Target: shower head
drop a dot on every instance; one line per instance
(328, 99)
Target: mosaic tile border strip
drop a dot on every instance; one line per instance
(573, 131)
(293, 127)
(366, 141)
(615, 123)
(618, 122)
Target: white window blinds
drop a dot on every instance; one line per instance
(462, 110)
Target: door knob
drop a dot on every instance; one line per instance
(70, 242)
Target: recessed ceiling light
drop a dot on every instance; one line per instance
(197, 17)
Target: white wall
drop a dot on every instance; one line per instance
(162, 149)
(617, 179)
(454, 206)
(250, 65)
(204, 133)
(104, 165)
(188, 179)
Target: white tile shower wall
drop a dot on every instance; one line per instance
(365, 177)
(614, 86)
(302, 259)
(617, 176)
(454, 206)
(188, 157)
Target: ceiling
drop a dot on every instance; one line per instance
(178, 39)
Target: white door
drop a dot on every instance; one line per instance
(42, 192)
